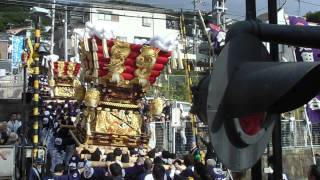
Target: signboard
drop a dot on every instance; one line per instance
(176, 117)
(7, 161)
(312, 108)
(3, 50)
(17, 48)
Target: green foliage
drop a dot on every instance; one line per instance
(15, 15)
(313, 17)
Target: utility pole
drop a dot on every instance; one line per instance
(66, 34)
(276, 136)
(219, 8)
(195, 31)
(53, 13)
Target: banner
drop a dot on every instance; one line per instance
(304, 54)
(7, 161)
(312, 109)
(218, 37)
(17, 48)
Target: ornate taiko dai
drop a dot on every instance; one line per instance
(112, 115)
(66, 84)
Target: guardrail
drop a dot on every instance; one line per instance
(11, 161)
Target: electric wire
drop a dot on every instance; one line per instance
(174, 16)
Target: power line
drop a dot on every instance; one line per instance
(99, 5)
(310, 3)
(174, 17)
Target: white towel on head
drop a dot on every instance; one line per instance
(148, 177)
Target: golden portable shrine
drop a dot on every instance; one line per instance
(116, 75)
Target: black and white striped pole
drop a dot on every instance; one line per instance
(36, 72)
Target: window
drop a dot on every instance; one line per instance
(121, 38)
(106, 16)
(146, 22)
(172, 23)
(140, 38)
(115, 18)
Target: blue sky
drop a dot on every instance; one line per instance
(236, 8)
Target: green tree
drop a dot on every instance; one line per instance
(14, 15)
(313, 17)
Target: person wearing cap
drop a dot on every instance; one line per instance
(93, 173)
(73, 172)
(58, 173)
(35, 171)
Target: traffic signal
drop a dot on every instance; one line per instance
(246, 88)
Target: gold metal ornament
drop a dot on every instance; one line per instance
(92, 98)
(79, 90)
(145, 62)
(63, 91)
(71, 68)
(156, 106)
(119, 52)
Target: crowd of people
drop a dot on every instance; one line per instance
(156, 164)
(11, 129)
(67, 162)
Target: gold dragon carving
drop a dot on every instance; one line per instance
(119, 52)
(145, 62)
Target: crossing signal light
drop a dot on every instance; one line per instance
(246, 88)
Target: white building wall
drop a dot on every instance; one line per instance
(130, 23)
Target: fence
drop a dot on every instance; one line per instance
(11, 86)
(174, 139)
(294, 135)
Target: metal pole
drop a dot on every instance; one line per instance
(24, 123)
(256, 172)
(218, 13)
(195, 34)
(66, 35)
(224, 17)
(174, 140)
(250, 9)
(52, 26)
(276, 136)
(36, 73)
(310, 136)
